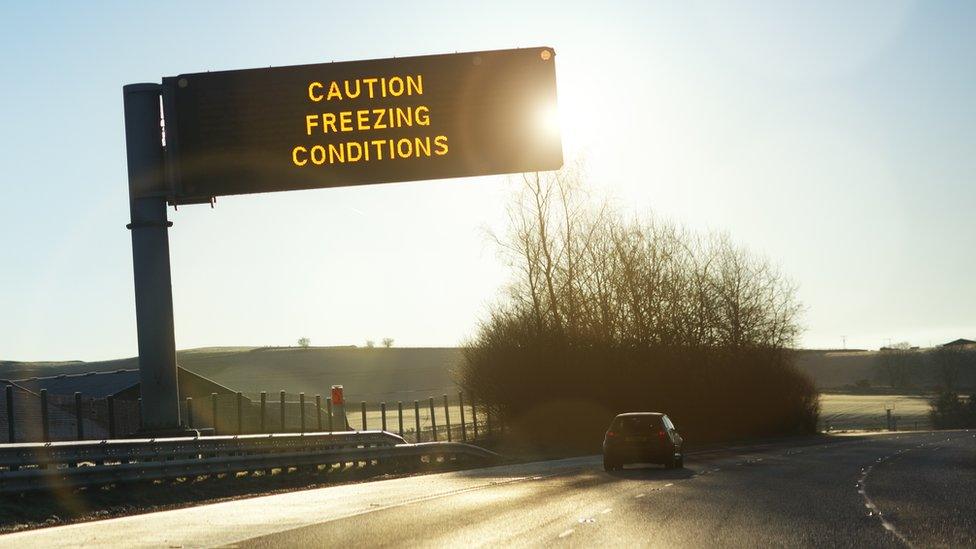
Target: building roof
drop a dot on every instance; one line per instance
(960, 343)
(90, 384)
(102, 384)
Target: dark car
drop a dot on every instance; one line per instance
(642, 437)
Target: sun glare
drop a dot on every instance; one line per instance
(547, 120)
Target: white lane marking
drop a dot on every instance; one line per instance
(566, 533)
(669, 484)
(638, 496)
(873, 509)
(605, 511)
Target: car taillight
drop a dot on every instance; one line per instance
(611, 434)
(661, 434)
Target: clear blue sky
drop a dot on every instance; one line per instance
(837, 139)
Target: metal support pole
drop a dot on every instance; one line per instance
(447, 419)
(328, 405)
(240, 413)
(79, 417)
(433, 420)
(264, 410)
(45, 419)
(383, 415)
(213, 411)
(301, 408)
(11, 421)
(416, 419)
(111, 416)
(464, 429)
(158, 385)
(318, 413)
(189, 412)
(363, 407)
(400, 416)
(281, 407)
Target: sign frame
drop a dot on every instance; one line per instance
(178, 185)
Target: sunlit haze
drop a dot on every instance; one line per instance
(836, 140)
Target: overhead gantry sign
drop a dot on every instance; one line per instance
(362, 122)
(316, 126)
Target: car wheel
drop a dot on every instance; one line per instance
(610, 465)
(680, 463)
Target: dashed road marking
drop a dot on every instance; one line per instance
(638, 496)
(669, 484)
(605, 511)
(566, 533)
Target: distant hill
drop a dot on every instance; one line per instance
(409, 374)
(915, 369)
(837, 368)
(373, 375)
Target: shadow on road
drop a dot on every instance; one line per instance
(651, 472)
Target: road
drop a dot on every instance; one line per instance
(915, 489)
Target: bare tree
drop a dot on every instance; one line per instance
(304, 342)
(370, 344)
(388, 342)
(596, 293)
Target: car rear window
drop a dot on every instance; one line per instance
(635, 424)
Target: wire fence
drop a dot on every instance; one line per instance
(41, 417)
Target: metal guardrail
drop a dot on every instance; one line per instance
(45, 466)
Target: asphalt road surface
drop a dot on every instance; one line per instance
(915, 489)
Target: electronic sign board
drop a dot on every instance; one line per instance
(360, 122)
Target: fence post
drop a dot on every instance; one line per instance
(447, 418)
(264, 410)
(318, 413)
(400, 416)
(433, 420)
(281, 408)
(363, 408)
(45, 423)
(464, 428)
(328, 405)
(301, 407)
(383, 414)
(189, 413)
(416, 419)
(240, 413)
(474, 416)
(10, 414)
(79, 423)
(213, 410)
(139, 411)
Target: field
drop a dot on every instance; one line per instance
(849, 411)
(371, 375)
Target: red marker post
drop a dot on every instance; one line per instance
(339, 405)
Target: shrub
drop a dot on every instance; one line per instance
(604, 316)
(950, 411)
